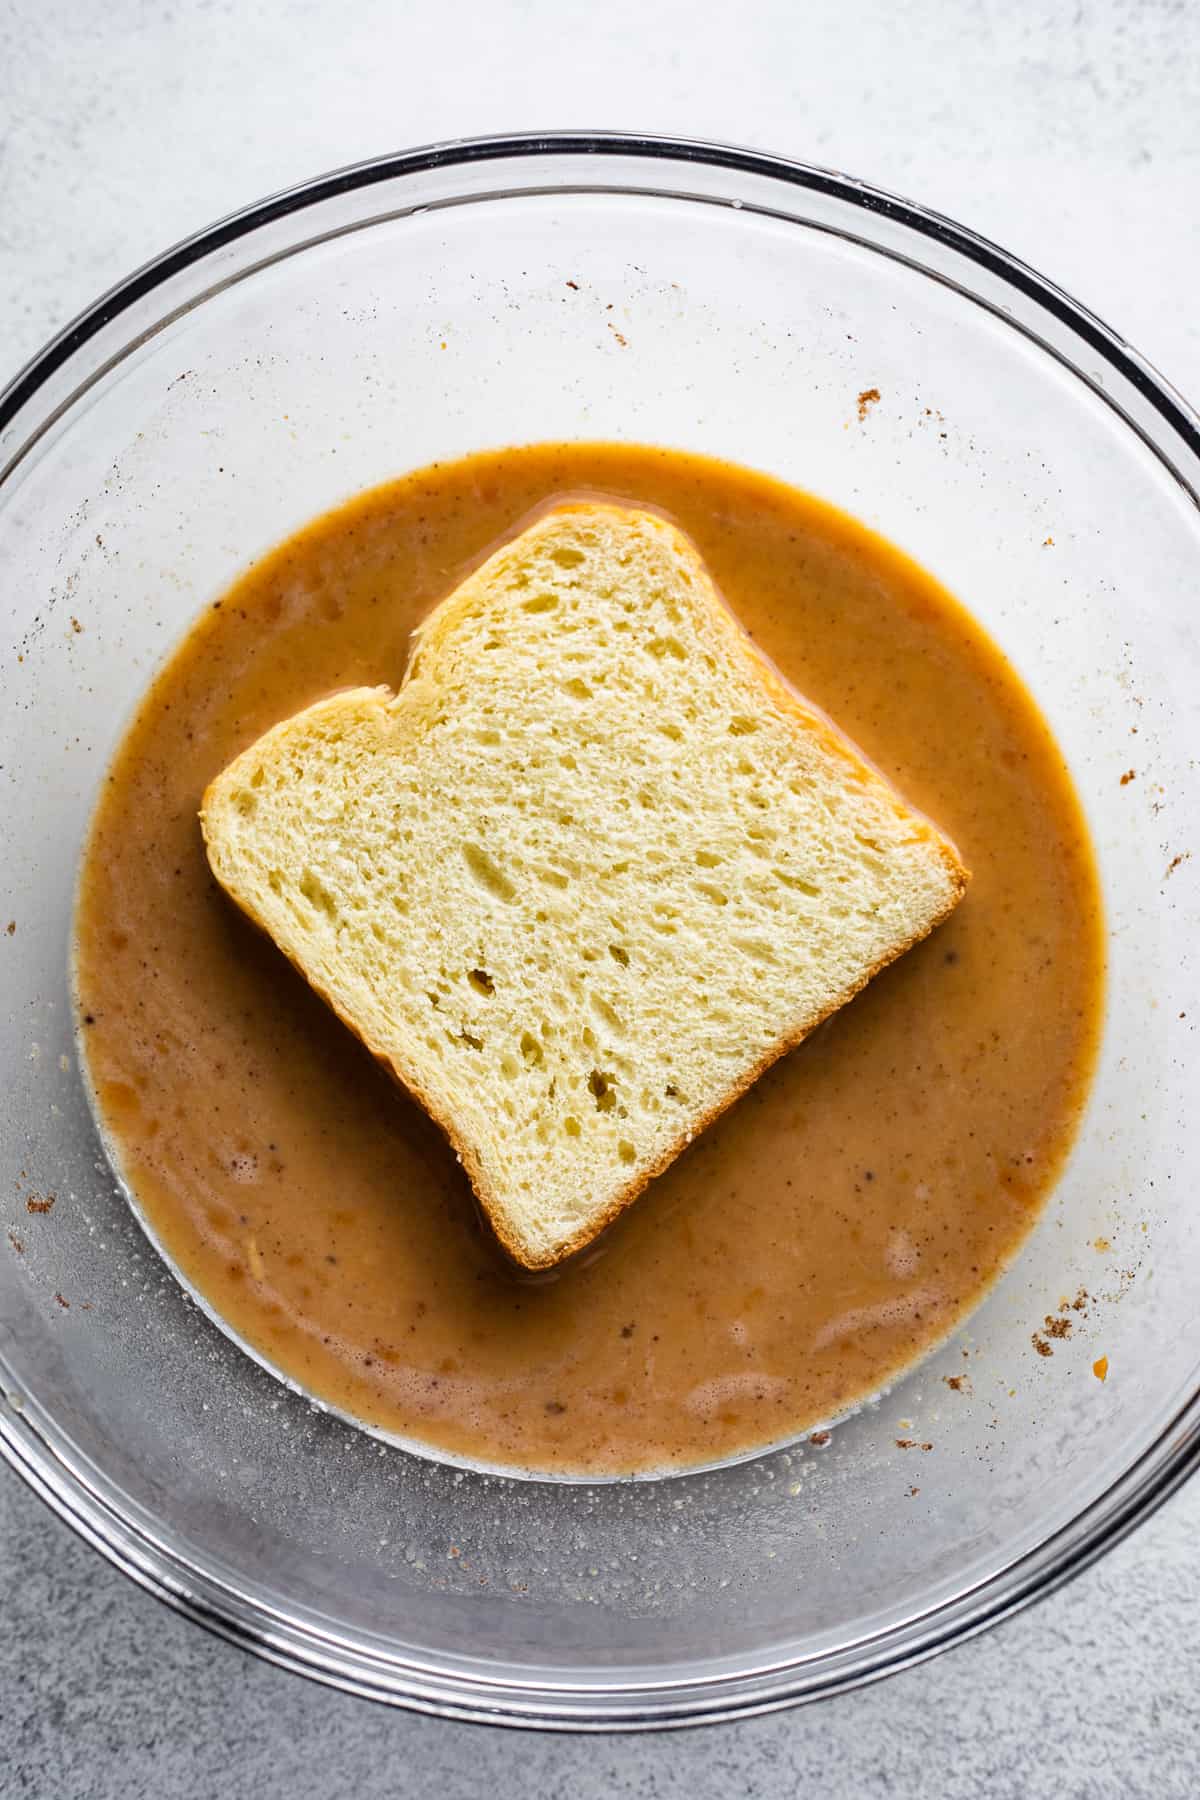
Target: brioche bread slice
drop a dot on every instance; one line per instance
(585, 876)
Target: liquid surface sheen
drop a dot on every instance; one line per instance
(822, 1235)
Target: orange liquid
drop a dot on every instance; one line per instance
(821, 1236)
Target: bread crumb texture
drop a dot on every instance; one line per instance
(585, 876)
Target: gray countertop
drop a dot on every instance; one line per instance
(1069, 134)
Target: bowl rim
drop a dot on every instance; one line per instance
(43, 1457)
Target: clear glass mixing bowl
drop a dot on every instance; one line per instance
(417, 308)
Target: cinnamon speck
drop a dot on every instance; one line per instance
(63, 1301)
(38, 1203)
(911, 1444)
(75, 625)
(913, 1492)
(1102, 1245)
(11, 928)
(960, 1383)
(573, 284)
(1128, 776)
(1057, 1328)
(1041, 1346)
(820, 1439)
(1100, 1368)
(16, 1243)
(620, 337)
(866, 400)
(1184, 856)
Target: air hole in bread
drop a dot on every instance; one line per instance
(602, 1091)
(607, 1013)
(795, 881)
(756, 947)
(317, 894)
(488, 874)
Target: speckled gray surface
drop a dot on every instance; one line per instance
(1070, 135)
(1091, 1696)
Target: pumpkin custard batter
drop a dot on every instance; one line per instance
(820, 1237)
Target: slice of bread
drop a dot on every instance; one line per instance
(585, 876)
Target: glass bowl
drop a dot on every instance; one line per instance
(417, 308)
